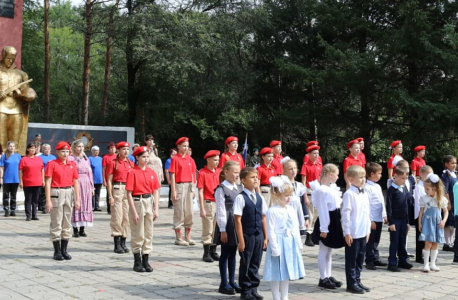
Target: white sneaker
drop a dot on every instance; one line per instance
(434, 268)
(426, 269)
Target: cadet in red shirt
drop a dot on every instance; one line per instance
(117, 171)
(105, 162)
(182, 178)
(61, 181)
(361, 156)
(265, 171)
(276, 149)
(207, 182)
(396, 149)
(143, 192)
(306, 156)
(232, 143)
(418, 161)
(352, 158)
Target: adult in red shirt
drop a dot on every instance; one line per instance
(265, 171)
(276, 162)
(232, 143)
(117, 171)
(61, 184)
(207, 182)
(182, 178)
(306, 156)
(352, 158)
(361, 156)
(105, 162)
(31, 179)
(396, 149)
(143, 193)
(418, 160)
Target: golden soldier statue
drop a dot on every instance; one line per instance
(15, 96)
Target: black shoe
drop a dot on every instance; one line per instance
(44, 211)
(365, 288)
(63, 248)
(13, 214)
(97, 209)
(379, 263)
(405, 265)
(28, 219)
(247, 297)
(82, 233)
(7, 213)
(393, 268)
(336, 282)
(35, 219)
(236, 287)
(257, 296)
(170, 207)
(146, 264)
(455, 260)
(308, 240)
(447, 248)
(327, 284)
(207, 257)
(117, 245)
(123, 245)
(57, 251)
(420, 261)
(213, 253)
(75, 232)
(226, 290)
(371, 266)
(355, 289)
(138, 267)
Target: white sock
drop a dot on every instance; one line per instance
(329, 263)
(426, 260)
(433, 260)
(284, 287)
(452, 235)
(323, 260)
(275, 288)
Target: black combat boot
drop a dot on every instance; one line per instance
(63, 248)
(57, 251)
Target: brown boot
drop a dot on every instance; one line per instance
(179, 239)
(188, 237)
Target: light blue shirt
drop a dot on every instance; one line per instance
(46, 158)
(455, 198)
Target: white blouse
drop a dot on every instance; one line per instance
(427, 201)
(276, 218)
(326, 199)
(298, 191)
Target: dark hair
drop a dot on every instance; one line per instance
(111, 144)
(171, 150)
(37, 144)
(372, 167)
(447, 159)
(246, 171)
(1, 149)
(30, 145)
(401, 171)
(140, 154)
(149, 137)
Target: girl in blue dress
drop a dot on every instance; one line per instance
(431, 225)
(284, 252)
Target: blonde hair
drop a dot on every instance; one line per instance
(8, 153)
(75, 144)
(287, 163)
(438, 187)
(403, 163)
(355, 171)
(275, 191)
(227, 166)
(328, 169)
(426, 169)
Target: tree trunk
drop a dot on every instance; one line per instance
(46, 28)
(87, 63)
(132, 69)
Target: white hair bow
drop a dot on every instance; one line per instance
(279, 182)
(285, 159)
(433, 177)
(397, 159)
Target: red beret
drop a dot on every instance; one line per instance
(231, 139)
(266, 150)
(360, 139)
(211, 153)
(122, 144)
(139, 150)
(182, 140)
(419, 148)
(63, 146)
(311, 143)
(311, 148)
(395, 143)
(352, 143)
(275, 143)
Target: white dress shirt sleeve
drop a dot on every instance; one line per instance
(346, 212)
(296, 205)
(221, 216)
(239, 204)
(264, 205)
(321, 205)
(271, 222)
(379, 190)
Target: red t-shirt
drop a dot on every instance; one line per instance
(416, 164)
(142, 182)
(228, 156)
(307, 157)
(208, 181)
(265, 172)
(184, 168)
(351, 161)
(311, 171)
(362, 158)
(62, 174)
(106, 161)
(31, 171)
(120, 171)
(277, 164)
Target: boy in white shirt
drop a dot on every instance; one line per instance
(356, 226)
(377, 215)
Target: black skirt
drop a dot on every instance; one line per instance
(230, 230)
(335, 238)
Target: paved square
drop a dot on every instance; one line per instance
(27, 270)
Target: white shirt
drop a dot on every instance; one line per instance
(427, 201)
(276, 218)
(355, 213)
(418, 192)
(298, 191)
(239, 203)
(376, 201)
(326, 199)
(221, 216)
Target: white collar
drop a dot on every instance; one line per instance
(370, 182)
(229, 185)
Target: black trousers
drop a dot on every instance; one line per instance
(9, 196)
(250, 260)
(42, 200)
(354, 258)
(372, 253)
(32, 195)
(170, 196)
(96, 197)
(419, 245)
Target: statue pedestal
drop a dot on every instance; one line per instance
(11, 28)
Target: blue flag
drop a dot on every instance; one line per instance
(245, 148)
